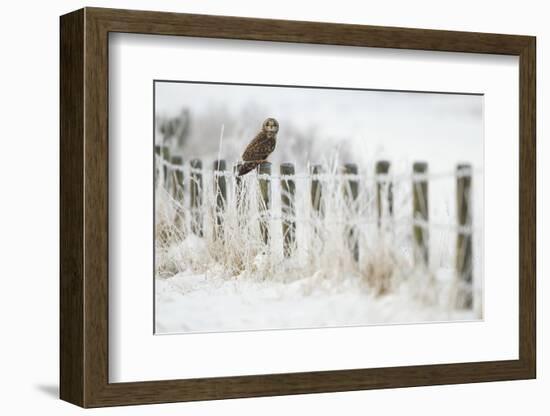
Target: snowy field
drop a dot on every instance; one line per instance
(201, 303)
(233, 283)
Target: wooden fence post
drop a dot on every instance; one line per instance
(317, 191)
(220, 192)
(238, 184)
(165, 158)
(157, 165)
(384, 188)
(464, 263)
(264, 183)
(177, 178)
(420, 213)
(196, 197)
(351, 190)
(288, 208)
(178, 189)
(238, 194)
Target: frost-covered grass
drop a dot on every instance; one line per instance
(229, 279)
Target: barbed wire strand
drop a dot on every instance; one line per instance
(377, 178)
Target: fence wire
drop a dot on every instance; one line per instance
(385, 179)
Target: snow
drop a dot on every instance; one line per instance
(190, 302)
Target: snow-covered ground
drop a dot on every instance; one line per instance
(190, 302)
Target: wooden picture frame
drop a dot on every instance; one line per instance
(84, 207)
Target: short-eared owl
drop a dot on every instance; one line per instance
(261, 147)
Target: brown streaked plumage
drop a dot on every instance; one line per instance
(260, 147)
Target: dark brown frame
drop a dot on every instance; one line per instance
(84, 207)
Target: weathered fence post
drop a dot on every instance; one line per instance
(178, 189)
(165, 158)
(351, 190)
(177, 178)
(238, 194)
(238, 184)
(196, 197)
(384, 191)
(464, 262)
(220, 192)
(420, 213)
(264, 183)
(288, 208)
(157, 163)
(317, 191)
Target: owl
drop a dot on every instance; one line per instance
(260, 147)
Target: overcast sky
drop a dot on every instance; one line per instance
(443, 129)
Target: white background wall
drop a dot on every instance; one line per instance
(29, 85)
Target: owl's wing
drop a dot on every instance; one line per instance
(259, 148)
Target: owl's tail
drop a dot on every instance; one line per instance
(246, 167)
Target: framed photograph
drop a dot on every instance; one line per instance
(255, 207)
